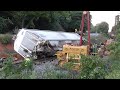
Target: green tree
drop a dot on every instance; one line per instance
(92, 29)
(56, 17)
(24, 19)
(4, 24)
(73, 21)
(116, 30)
(102, 27)
(52, 20)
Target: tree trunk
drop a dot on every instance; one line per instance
(23, 21)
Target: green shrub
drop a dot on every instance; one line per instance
(92, 68)
(27, 65)
(118, 37)
(115, 51)
(3, 25)
(69, 65)
(115, 72)
(58, 74)
(8, 67)
(5, 38)
(12, 71)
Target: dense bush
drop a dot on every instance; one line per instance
(69, 65)
(118, 37)
(4, 25)
(93, 67)
(12, 71)
(6, 38)
(114, 58)
(115, 50)
(8, 66)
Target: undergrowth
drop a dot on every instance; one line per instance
(5, 39)
(12, 71)
(92, 67)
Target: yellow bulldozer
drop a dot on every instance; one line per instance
(73, 53)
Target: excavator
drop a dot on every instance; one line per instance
(73, 52)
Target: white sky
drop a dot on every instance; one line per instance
(107, 16)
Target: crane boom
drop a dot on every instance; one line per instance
(87, 15)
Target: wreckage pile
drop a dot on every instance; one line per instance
(42, 43)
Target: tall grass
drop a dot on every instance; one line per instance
(5, 38)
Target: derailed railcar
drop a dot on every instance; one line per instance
(42, 43)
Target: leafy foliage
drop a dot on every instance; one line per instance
(115, 54)
(11, 71)
(115, 73)
(4, 24)
(52, 20)
(92, 68)
(8, 66)
(115, 50)
(102, 28)
(92, 29)
(5, 39)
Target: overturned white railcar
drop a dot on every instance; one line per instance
(38, 43)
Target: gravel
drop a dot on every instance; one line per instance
(41, 67)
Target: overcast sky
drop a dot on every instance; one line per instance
(108, 16)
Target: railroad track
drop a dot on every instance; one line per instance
(44, 60)
(36, 62)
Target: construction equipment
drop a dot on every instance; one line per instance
(72, 52)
